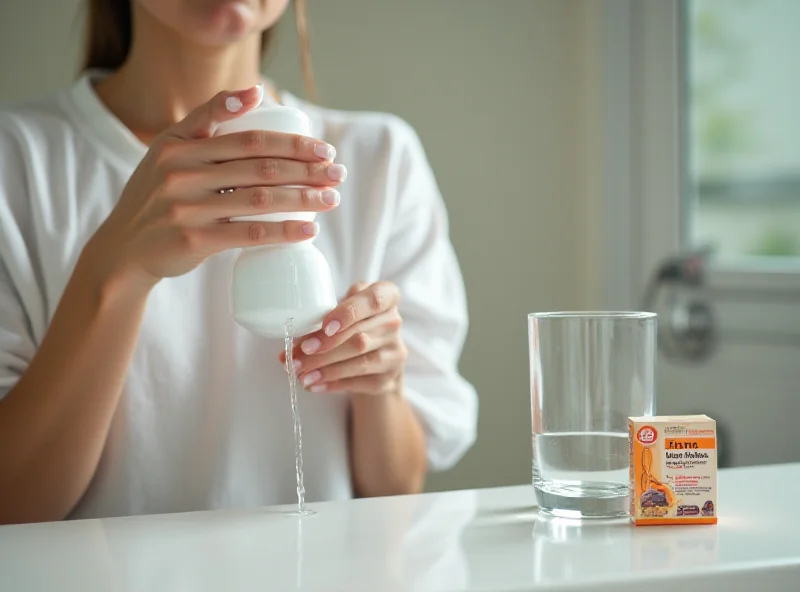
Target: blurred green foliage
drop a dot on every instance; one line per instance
(776, 242)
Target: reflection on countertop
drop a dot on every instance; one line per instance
(398, 543)
(490, 539)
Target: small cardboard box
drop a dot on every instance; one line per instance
(673, 470)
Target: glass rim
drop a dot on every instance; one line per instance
(594, 314)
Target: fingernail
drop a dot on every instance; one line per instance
(330, 197)
(260, 91)
(325, 151)
(233, 104)
(296, 365)
(337, 172)
(309, 346)
(310, 228)
(320, 388)
(332, 328)
(312, 378)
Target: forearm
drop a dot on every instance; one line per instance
(54, 422)
(387, 446)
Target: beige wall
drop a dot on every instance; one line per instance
(497, 92)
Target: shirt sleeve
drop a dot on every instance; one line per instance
(421, 261)
(16, 343)
(18, 285)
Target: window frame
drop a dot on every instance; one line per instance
(635, 57)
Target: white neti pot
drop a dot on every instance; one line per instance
(272, 284)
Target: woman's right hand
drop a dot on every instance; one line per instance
(171, 215)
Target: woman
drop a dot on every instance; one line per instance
(126, 387)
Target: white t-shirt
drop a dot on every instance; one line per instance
(204, 420)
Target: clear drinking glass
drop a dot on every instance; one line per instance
(589, 372)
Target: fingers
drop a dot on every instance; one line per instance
(354, 345)
(355, 288)
(239, 160)
(377, 298)
(386, 323)
(259, 144)
(203, 121)
(231, 235)
(373, 384)
(363, 356)
(382, 360)
(317, 349)
(256, 172)
(258, 200)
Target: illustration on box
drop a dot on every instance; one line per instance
(657, 498)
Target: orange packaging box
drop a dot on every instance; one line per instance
(673, 472)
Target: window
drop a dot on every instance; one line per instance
(742, 117)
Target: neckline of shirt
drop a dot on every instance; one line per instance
(97, 120)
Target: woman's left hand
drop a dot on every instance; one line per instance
(359, 348)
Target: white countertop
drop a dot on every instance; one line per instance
(465, 540)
